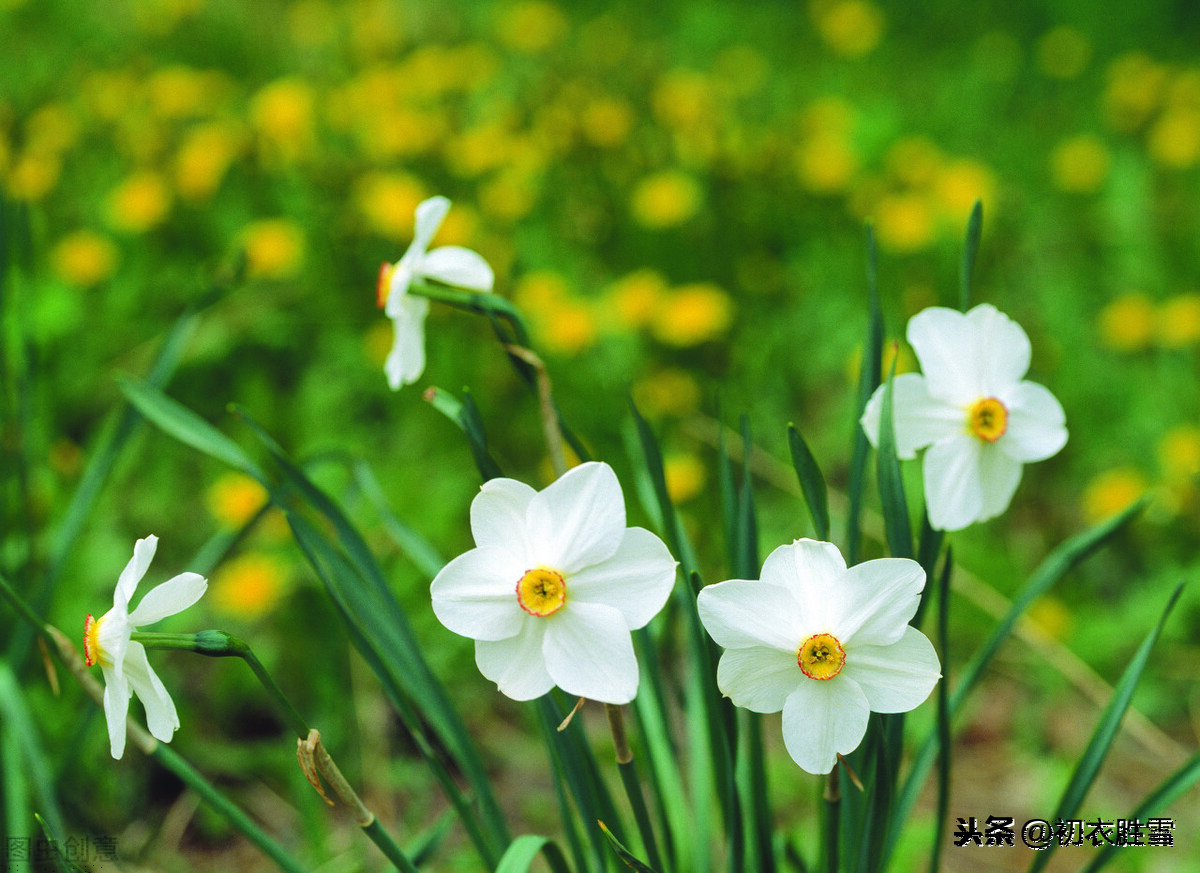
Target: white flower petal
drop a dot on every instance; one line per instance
(809, 569)
(1002, 352)
(143, 554)
(116, 708)
(741, 614)
(112, 637)
(460, 267)
(953, 492)
(406, 361)
(758, 679)
(918, 419)
(636, 581)
(516, 664)
(589, 653)
(946, 343)
(999, 476)
(475, 595)
(579, 519)
(161, 717)
(822, 720)
(877, 599)
(172, 596)
(1036, 424)
(894, 678)
(430, 215)
(498, 516)
(402, 277)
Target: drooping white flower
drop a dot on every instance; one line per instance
(971, 406)
(825, 644)
(554, 586)
(450, 265)
(106, 641)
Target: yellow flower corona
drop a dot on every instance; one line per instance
(821, 657)
(988, 419)
(542, 592)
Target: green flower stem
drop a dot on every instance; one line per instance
(311, 753)
(833, 803)
(633, 785)
(480, 302)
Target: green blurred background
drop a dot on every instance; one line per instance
(675, 194)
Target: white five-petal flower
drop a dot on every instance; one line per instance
(825, 644)
(971, 406)
(450, 265)
(554, 586)
(106, 641)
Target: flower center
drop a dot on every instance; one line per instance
(384, 285)
(988, 419)
(821, 656)
(92, 653)
(541, 592)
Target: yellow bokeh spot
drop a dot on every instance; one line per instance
(235, 498)
(1053, 617)
(1080, 164)
(1063, 53)
(607, 121)
(685, 476)
(914, 161)
(851, 28)
(742, 69)
(274, 248)
(249, 586)
(904, 222)
(1179, 453)
(633, 300)
(826, 162)
(52, 129)
(510, 195)
(683, 99)
(670, 391)
(1134, 89)
(33, 176)
(180, 92)
(139, 203)
(692, 314)
(388, 202)
(1179, 321)
(959, 184)
(1128, 323)
(1112, 491)
(569, 327)
(665, 199)
(84, 258)
(1174, 138)
(109, 93)
(531, 26)
(282, 113)
(312, 23)
(540, 291)
(204, 156)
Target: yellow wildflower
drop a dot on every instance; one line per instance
(33, 176)
(532, 26)
(634, 299)
(1051, 615)
(1179, 321)
(52, 129)
(1127, 324)
(914, 161)
(568, 328)
(851, 28)
(683, 99)
(904, 222)
(606, 121)
(1111, 491)
(1174, 138)
(665, 199)
(1179, 453)
(84, 258)
(180, 92)
(235, 498)
(692, 314)
(669, 391)
(139, 203)
(248, 586)
(826, 162)
(509, 195)
(1063, 53)
(204, 156)
(685, 476)
(388, 201)
(1080, 164)
(274, 248)
(1134, 89)
(959, 184)
(282, 113)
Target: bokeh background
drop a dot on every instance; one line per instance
(676, 195)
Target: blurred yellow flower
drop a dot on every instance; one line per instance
(248, 586)
(606, 121)
(235, 498)
(274, 248)
(33, 176)
(1179, 453)
(181, 92)
(742, 69)
(685, 476)
(692, 314)
(282, 112)
(1080, 164)
(109, 93)
(1127, 324)
(480, 149)
(683, 99)
(531, 26)
(312, 23)
(826, 162)
(568, 328)
(52, 129)
(1063, 53)
(1183, 92)
(914, 161)
(509, 195)
(1134, 89)
(1179, 321)
(1174, 138)
(669, 391)
(540, 291)
(139, 203)
(1051, 615)
(959, 184)
(904, 222)
(84, 258)
(204, 156)
(665, 199)
(634, 299)
(851, 28)
(1111, 491)
(388, 202)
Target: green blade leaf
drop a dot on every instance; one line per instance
(812, 483)
(523, 851)
(624, 854)
(465, 414)
(891, 482)
(974, 231)
(1106, 731)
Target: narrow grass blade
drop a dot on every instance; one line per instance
(944, 746)
(1106, 731)
(624, 854)
(62, 863)
(1056, 565)
(891, 482)
(31, 763)
(928, 547)
(523, 851)
(812, 483)
(868, 381)
(970, 250)
(418, 549)
(465, 414)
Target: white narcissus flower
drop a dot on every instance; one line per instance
(450, 265)
(554, 586)
(106, 641)
(825, 644)
(971, 406)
